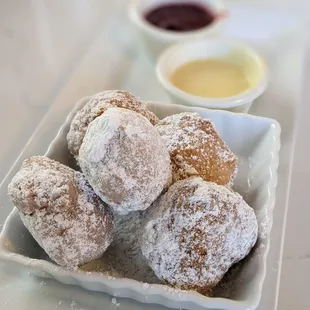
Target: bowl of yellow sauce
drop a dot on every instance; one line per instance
(213, 73)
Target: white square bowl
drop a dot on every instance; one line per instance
(256, 142)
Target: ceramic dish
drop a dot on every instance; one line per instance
(154, 40)
(251, 62)
(256, 141)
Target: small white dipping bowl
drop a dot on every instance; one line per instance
(250, 61)
(154, 39)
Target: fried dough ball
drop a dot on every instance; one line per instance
(196, 149)
(125, 160)
(96, 106)
(61, 211)
(196, 232)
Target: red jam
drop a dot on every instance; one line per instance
(180, 17)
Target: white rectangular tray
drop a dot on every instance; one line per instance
(255, 141)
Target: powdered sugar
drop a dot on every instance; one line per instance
(196, 149)
(124, 257)
(105, 132)
(96, 106)
(130, 168)
(61, 211)
(197, 232)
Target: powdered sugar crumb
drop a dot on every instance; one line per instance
(114, 302)
(264, 227)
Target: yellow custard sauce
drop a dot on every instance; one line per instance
(212, 78)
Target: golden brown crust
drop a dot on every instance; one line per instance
(196, 149)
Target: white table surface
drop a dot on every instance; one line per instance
(40, 41)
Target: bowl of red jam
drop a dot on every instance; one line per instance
(180, 16)
(160, 23)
